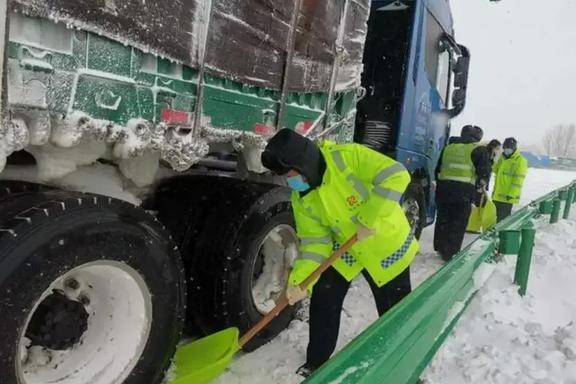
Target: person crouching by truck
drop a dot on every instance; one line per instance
(340, 190)
(462, 170)
(510, 170)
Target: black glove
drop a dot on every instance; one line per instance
(481, 185)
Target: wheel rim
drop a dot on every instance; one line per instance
(412, 210)
(119, 308)
(271, 267)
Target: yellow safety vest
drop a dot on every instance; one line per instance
(457, 163)
(359, 186)
(510, 175)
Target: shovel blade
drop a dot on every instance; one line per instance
(201, 361)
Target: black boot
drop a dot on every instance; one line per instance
(444, 256)
(306, 370)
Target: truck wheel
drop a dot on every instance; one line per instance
(14, 187)
(91, 291)
(238, 246)
(184, 204)
(249, 246)
(414, 206)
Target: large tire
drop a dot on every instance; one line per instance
(414, 205)
(183, 204)
(9, 188)
(65, 254)
(226, 223)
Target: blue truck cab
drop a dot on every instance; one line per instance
(415, 77)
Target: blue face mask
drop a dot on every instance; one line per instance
(297, 183)
(508, 151)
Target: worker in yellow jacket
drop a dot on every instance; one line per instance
(510, 170)
(340, 190)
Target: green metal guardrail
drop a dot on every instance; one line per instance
(398, 347)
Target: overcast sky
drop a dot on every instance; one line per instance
(523, 70)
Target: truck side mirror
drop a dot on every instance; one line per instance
(461, 72)
(462, 64)
(460, 82)
(459, 98)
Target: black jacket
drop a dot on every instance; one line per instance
(480, 159)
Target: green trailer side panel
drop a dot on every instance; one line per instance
(59, 96)
(233, 105)
(145, 100)
(106, 99)
(109, 56)
(297, 114)
(80, 71)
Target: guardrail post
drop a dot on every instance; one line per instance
(569, 200)
(509, 242)
(524, 260)
(545, 207)
(555, 216)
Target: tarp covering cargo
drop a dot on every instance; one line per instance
(247, 40)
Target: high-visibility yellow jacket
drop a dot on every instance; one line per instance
(359, 186)
(457, 163)
(510, 174)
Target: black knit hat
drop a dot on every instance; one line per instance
(472, 133)
(510, 142)
(289, 150)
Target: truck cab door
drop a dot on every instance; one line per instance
(438, 64)
(425, 121)
(435, 92)
(440, 80)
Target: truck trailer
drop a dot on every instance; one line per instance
(176, 99)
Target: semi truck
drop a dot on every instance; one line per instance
(174, 101)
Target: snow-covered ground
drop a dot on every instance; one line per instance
(504, 338)
(501, 336)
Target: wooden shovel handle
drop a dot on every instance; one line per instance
(283, 302)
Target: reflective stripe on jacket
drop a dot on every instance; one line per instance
(510, 174)
(457, 163)
(359, 186)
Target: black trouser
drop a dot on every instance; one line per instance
(503, 210)
(454, 204)
(326, 305)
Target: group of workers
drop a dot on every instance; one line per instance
(342, 190)
(463, 176)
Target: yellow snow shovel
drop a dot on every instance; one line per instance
(482, 218)
(203, 360)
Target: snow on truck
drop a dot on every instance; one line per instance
(177, 99)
